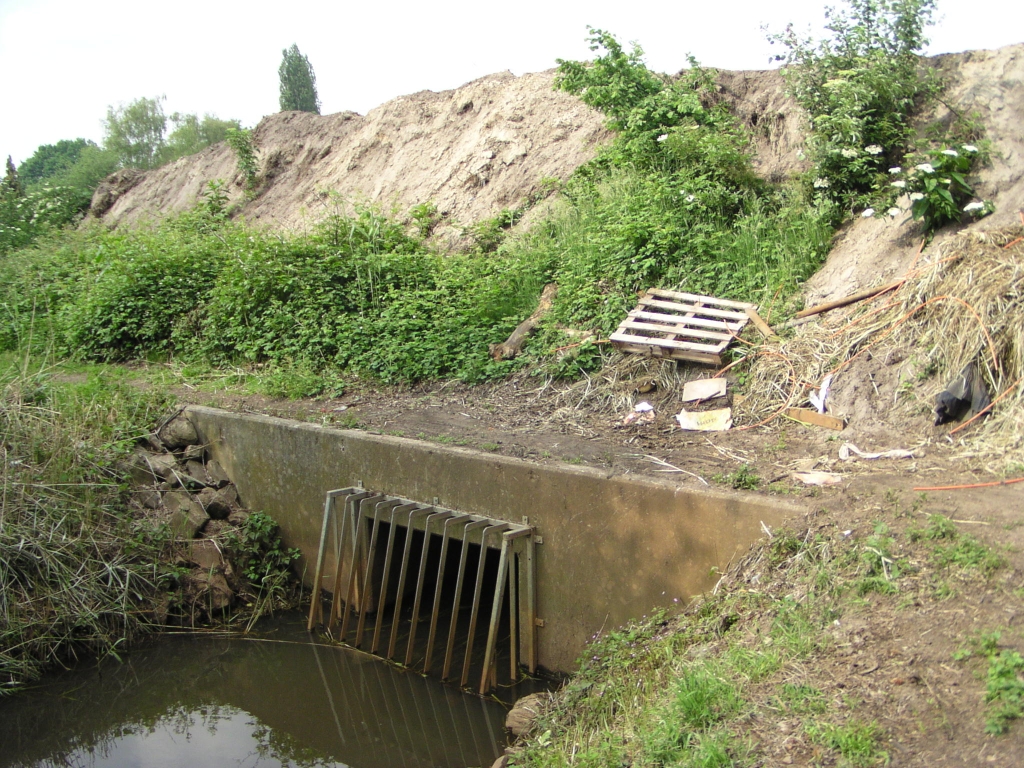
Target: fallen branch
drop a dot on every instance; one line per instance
(514, 344)
(853, 298)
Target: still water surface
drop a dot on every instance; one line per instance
(272, 699)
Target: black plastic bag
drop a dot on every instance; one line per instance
(967, 393)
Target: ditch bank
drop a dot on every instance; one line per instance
(609, 547)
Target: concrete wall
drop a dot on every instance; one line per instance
(614, 546)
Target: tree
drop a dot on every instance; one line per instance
(10, 187)
(135, 133)
(191, 135)
(51, 160)
(298, 83)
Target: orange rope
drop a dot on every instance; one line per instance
(988, 407)
(972, 485)
(1013, 243)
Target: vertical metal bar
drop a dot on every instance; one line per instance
(513, 611)
(336, 596)
(458, 595)
(403, 571)
(420, 576)
(316, 607)
(492, 629)
(477, 588)
(531, 604)
(364, 602)
(386, 576)
(355, 506)
(436, 606)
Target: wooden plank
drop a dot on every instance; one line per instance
(699, 299)
(682, 308)
(761, 325)
(676, 330)
(815, 419)
(700, 322)
(670, 354)
(687, 345)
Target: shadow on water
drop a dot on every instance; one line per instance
(276, 698)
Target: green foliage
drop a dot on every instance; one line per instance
(859, 87)
(135, 132)
(297, 81)
(1004, 690)
(260, 555)
(50, 160)
(939, 190)
(11, 186)
(24, 219)
(856, 742)
(743, 478)
(241, 141)
(191, 135)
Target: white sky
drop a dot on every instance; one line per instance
(62, 62)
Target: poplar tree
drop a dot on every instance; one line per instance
(298, 83)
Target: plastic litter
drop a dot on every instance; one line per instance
(818, 478)
(818, 398)
(703, 389)
(967, 393)
(643, 413)
(847, 451)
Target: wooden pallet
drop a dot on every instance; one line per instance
(681, 326)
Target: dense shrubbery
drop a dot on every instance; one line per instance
(359, 293)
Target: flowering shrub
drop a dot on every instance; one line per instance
(938, 187)
(24, 217)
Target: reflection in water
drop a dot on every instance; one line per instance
(271, 700)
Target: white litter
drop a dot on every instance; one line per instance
(818, 398)
(846, 449)
(818, 478)
(703, 389)
(717, 420)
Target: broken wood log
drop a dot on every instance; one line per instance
(513, 345)
(853, 298)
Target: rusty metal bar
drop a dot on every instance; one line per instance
(450, 646)
(436, 605)
(386, 576)
(355, 504)
(336, 596)
(477, 589)
(420, 576)
(413, 509)
(371, 550)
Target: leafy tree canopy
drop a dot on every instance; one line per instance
(191, 135)
(298, 83)
(50, 160)
(135, 133)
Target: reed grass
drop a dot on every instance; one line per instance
(79, 572)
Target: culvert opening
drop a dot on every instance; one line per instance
(450, 593)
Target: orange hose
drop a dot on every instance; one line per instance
(972, 485)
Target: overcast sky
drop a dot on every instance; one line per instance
(63, 62)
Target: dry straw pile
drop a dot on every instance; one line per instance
(962, 302)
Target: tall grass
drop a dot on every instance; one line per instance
(77, 571)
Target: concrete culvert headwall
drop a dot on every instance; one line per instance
(608, 548)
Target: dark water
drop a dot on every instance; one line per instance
(272, 699)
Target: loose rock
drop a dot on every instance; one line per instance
(523, 715)
(178, 433)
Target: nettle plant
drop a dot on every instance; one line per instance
(936, 182)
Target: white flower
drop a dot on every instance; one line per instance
(663, 137)
(868, 213)
(969, 148)
(951, 152)
(847, 152)
(926, 167)
(915, 196)
(895, 170)
(821, 183)
(894, 212)
(873, 149)
(900, 184)
(971, 207)
(944, 181)
(690, 198)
